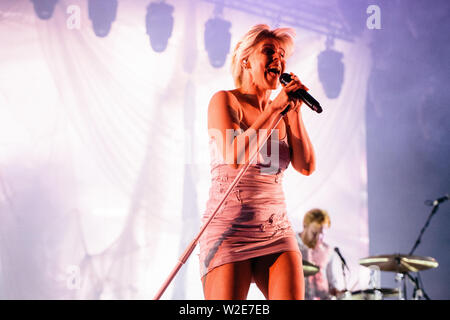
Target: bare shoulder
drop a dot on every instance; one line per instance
(220, 96)
(222, 107)
(223, 98)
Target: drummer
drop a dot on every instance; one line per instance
(328, 283)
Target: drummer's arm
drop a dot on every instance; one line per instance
(335, 292)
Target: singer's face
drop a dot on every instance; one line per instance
(267, 62)
(313, 234)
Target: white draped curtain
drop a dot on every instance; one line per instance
(104, 161)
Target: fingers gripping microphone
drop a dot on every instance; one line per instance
(302, 94)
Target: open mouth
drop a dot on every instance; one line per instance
(274, 72)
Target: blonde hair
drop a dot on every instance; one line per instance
(245, 47)
(248, 42)
(317, 215)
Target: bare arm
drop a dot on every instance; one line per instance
(303, 158)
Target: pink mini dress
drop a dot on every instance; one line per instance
(253, 221)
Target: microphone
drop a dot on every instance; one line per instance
(341, 257)
(440, 200)
(302, 94)
(437, 201)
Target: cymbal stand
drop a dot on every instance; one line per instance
(418, 291)
(416, 244)
(374, 282)
(400, 279)
(420, 285)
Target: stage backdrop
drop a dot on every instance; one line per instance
(104, 161)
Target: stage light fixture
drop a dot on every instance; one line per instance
(44, 8)
(159, 23)
(217, 41)
(102, 13)
(331, 70)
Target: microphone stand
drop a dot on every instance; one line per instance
(344, 276)
(347, 294)
(184, 257)
(418, 291)
(416, 244)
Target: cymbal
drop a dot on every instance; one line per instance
(400, 263)
(309, 269)
(367, 293)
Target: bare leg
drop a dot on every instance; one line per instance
(230, 281)
(280, 276)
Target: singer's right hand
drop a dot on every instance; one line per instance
(284, 98)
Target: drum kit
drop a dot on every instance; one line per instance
(400, 264)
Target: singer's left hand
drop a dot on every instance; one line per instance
(295, 106)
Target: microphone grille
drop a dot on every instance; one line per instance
(285, 78)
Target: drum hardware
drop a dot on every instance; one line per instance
(343, 265)
(374, 294)
(344, 277)
(419, 291)
(309, 269)
(403, 264)
(399, 278)
(400, 263)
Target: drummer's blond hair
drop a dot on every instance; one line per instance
(317, 215)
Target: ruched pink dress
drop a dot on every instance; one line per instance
(253, 220)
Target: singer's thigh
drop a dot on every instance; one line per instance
(280, 276)
(286, 280)
(230, 281)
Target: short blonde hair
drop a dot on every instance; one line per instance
(248, 42)
(317, 215)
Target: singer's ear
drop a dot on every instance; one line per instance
(245, 64)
